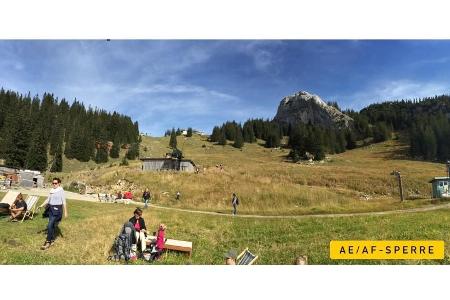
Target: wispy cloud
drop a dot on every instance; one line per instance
(396, 90)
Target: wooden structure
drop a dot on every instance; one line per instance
(400, 185)
(440, 187)
(168, 164)
(183, 246)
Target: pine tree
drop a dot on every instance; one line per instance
(248, 134)
(57, 165)
(173, 139)
(431, 145)
(37, 154)
(16, 135)
(101, 155)
(273, 138)
(222, 139)
(57, 135)
(115, 149)
(189, 132)
(350, 139)
(215, 136)
(133, 151)
(239, 139)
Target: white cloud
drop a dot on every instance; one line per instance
(395, 90)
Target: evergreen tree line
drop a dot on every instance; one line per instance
(303, 138)
(252, 129)
(178, 132)
(430, 138)
(426, 121)
(32, 128)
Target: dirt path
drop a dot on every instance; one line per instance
(45, 192)
(93, 198)
(380, 213)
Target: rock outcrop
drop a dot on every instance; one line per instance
(304, 107)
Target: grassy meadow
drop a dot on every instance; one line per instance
(88, 234)
(266, 183)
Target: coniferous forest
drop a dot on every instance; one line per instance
(425, 123)
(35, 132)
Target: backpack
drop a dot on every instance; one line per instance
(122, 243)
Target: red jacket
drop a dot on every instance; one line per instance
(160, 240)
(128, 195)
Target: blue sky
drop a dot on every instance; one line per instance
(199, 84)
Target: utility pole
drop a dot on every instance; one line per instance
(399, 177)
(448, 168)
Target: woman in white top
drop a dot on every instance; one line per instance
(57, 203)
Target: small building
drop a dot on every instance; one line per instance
(7, 173)
(168, 164)
(440, 187)
(30, 178)
(25, 178)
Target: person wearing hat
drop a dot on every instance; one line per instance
(230, 257)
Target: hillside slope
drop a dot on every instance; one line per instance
(266, 183)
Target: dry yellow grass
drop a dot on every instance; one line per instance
(267, 183)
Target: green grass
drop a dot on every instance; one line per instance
(89, 231)
(268, 184)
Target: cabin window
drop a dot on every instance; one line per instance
(441, 183)
(445, 183)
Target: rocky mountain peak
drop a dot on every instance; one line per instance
(304, 107)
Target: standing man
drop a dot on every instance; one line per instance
(177, 196)
(57, 203)
(147, 196)
(235, 203)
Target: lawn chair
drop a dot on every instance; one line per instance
(31, 207)
(246, 258)
(9, 199)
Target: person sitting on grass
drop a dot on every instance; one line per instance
(160, 239)
(139, 225)
(17, 208)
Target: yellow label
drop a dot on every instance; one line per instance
(387, 249)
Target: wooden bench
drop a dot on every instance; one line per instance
(183, 246)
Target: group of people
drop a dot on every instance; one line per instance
(125, 195)
(157, 246)
(55, 207)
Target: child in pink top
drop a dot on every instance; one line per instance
(160, 239)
